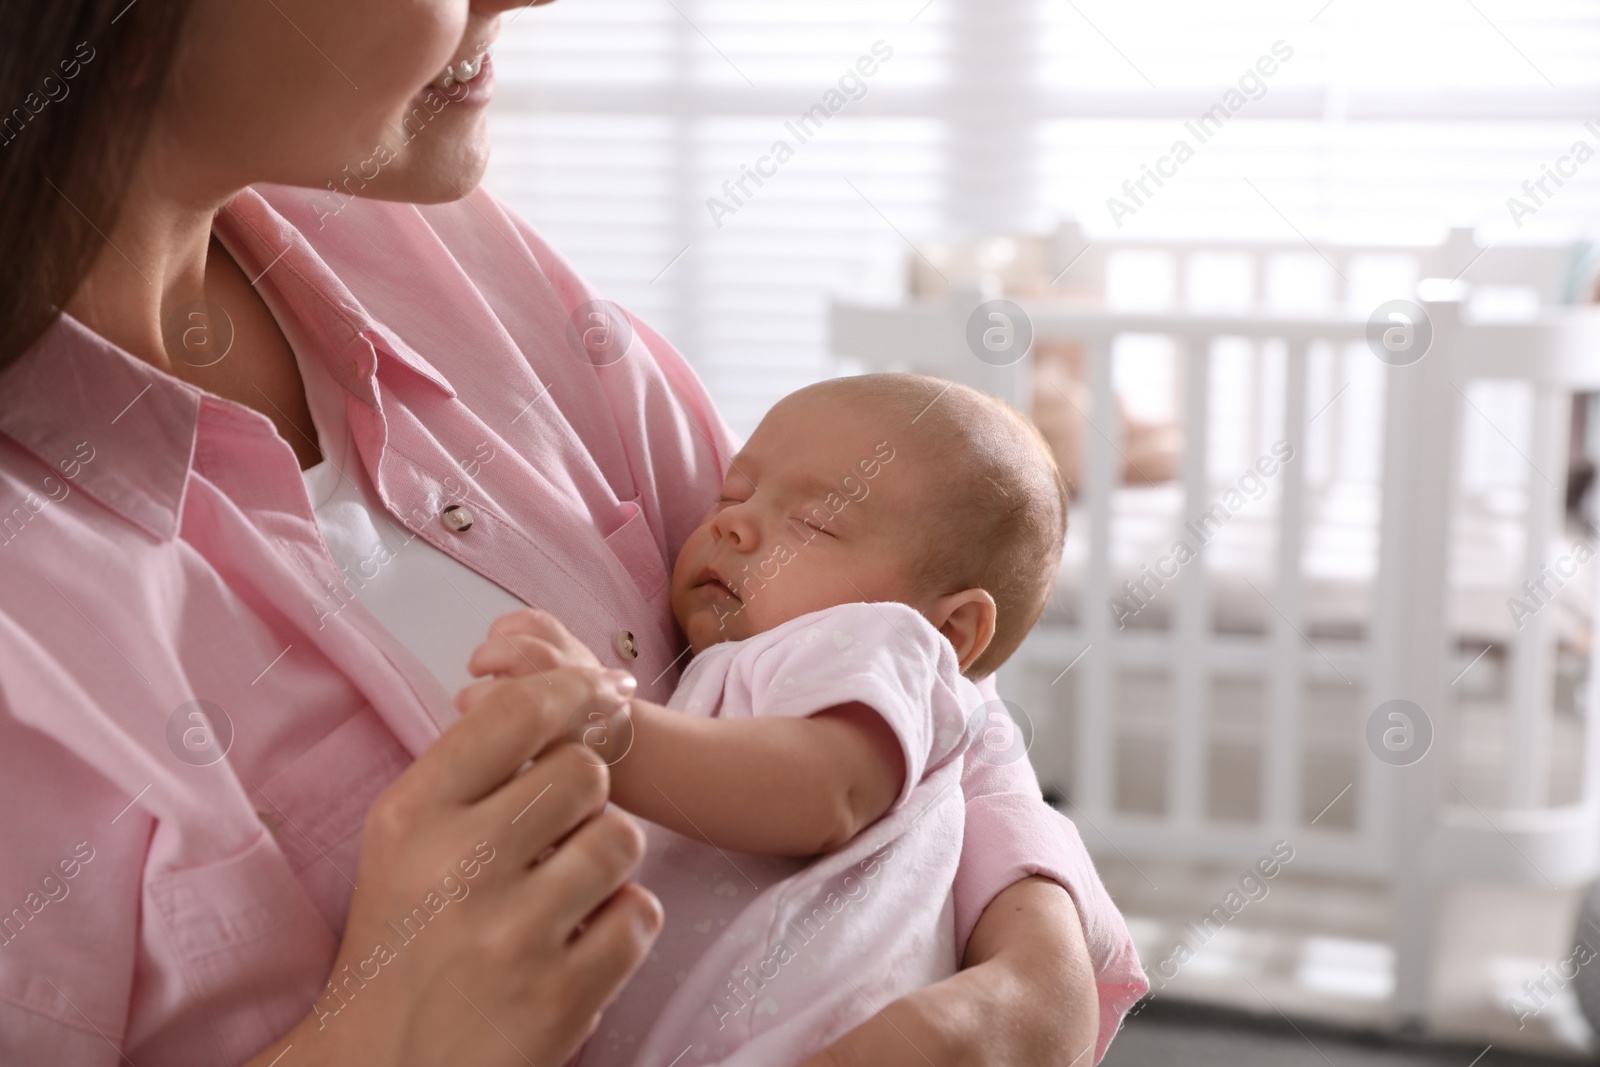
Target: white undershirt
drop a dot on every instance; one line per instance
(437, 608)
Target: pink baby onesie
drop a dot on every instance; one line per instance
(764, 960)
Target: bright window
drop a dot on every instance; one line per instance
(617, 120)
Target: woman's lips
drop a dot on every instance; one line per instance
(455, 87)
(463, 71)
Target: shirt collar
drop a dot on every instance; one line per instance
(74, 393)
(273, 253)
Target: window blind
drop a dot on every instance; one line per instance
(620, 125)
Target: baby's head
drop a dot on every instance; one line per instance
(881, 487)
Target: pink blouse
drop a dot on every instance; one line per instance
(167, 601)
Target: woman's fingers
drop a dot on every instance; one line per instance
(542, 805)
(612, 945)
(561, 864)
(589, 867)
(510, 724)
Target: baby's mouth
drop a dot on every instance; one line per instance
(717, 583)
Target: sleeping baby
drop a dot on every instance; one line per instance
(880, 543)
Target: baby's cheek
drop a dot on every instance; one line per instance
(710, 627)
(809, 581)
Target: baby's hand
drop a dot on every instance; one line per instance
(522, 643)
(528, 641)
(532, 642)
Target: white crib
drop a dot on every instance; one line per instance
(1441, 552)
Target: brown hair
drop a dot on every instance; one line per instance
(79, 83)
(999, 520)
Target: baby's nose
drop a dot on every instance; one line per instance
(733, 526)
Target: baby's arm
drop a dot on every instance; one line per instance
(777, 786)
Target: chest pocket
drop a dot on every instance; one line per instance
(254, 934)
(636, 549)
(316, 807)
(252, 948)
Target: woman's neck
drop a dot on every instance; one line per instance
(154, 261)
(166, 291)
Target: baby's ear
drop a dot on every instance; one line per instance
(967, 621)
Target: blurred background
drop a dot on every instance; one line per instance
(1197, 225)
(617, 120)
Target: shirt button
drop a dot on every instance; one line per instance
(457, 518)
(627, 647)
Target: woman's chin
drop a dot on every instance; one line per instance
(443, 164)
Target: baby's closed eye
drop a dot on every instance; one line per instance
(812, 524)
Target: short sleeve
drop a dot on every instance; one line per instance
(1011, 834)
(883, 655)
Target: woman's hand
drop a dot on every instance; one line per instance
(493, 918)
(1026, 997)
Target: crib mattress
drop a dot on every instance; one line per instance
(1339, 566)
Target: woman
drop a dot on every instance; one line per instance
(246, 823)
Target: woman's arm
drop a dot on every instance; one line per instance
(1025, 996)
(1016, 856)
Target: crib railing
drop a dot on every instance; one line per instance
(1080, 264)
(1414, 828)
(1191, 647)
